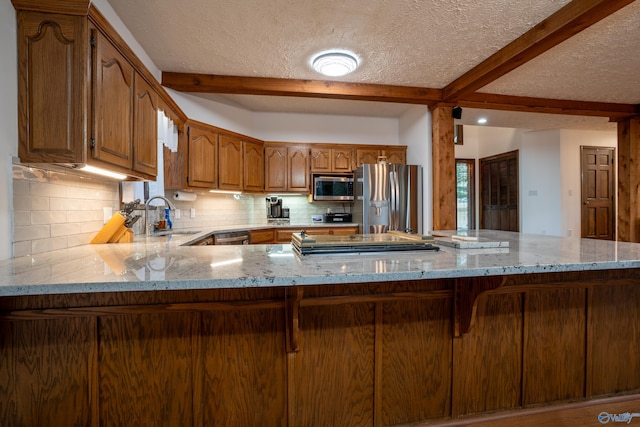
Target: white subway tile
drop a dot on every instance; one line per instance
(48, 217)
(48, 190)
(80, 239)
(21, 218)
(21, 187)
(31, 232)
(28, 203)
(40, 203)
(21, 248)
(46, 245)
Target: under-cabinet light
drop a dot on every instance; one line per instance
(103, 172)
(225, 192)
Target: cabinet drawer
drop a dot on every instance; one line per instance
(262, 236)
(344, 231)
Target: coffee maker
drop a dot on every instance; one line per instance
(274, 207)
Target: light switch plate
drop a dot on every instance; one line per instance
(108, 213)
(177, 214)
(192, 212)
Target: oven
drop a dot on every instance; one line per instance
(231, 238)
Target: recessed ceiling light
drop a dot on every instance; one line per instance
(335, 64)
(482, 120)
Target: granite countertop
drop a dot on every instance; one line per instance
(162, 263)
(197, 233)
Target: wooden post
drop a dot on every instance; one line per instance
(628, 227)
(444, 168)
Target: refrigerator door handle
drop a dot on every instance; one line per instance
(393, 211)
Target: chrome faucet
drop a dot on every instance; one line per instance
(146, 211)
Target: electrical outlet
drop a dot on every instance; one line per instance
(176, 214)
(192, 212)
(108, 213)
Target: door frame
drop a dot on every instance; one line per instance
(612, 190)
(515, 154)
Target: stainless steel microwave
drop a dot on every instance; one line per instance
(333, 187)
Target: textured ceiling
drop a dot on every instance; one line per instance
(427, 43)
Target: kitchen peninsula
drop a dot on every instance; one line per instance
(157, 333)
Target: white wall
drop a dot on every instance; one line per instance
(8, 121)
(549, 171)
(214, 113)
(571, 141)
(540, 183)
(485, 141)
(415, 133)
(289, 127)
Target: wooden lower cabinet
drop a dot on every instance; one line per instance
(265, 236)
(283, 235)
(372, 354)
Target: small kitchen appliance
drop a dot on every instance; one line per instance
(274, 207)
(338, 188)
(337, 217)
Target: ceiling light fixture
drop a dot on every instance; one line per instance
(335, 64)
(482, 120)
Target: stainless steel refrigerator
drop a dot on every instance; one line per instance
(388, 197)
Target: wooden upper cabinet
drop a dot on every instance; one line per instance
(113, 104)
(202, 157)
(230, 163)
(331, 159)
(370, 154)
(395, 155)
(287, 168)
(52, 87)
(78, 100)
(145, 128)
(321, 159)
(275, 168)
(341, 159)
(298, 170)
(366, 156)
(253, 166)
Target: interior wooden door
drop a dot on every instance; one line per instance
(499, 205)
(598, 189)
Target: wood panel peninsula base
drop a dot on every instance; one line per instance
(366, 354)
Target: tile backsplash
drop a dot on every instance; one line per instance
(56, 210)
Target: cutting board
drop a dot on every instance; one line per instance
(462, 243)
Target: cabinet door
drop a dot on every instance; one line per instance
(321, 160)
(202, 158)
(145, 128)
(230, 163)
(253, 166)
(366, 156)
(341, 159)
(298, 179)
(261, 236)
(52, 102)
(396, 155)
(275, 164)
(113, 104)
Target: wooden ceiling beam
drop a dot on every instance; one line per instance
(565, 23)
(549, 106)
(208, 83)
